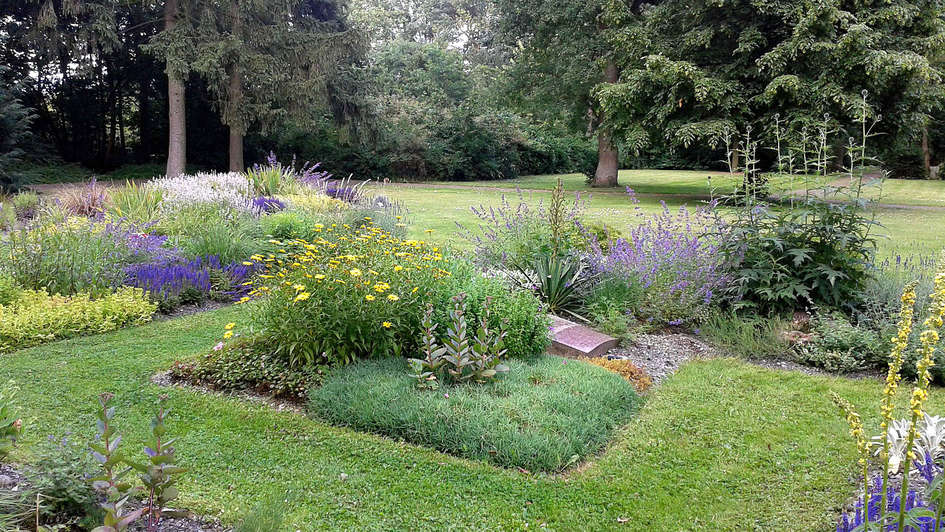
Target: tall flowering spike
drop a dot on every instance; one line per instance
(862, 446)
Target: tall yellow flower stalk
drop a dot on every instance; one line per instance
(899, 344)
(862, 448)
(928, 342)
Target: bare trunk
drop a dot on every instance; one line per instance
(235, 97)
(607, 156)
(176, 112)
(926, 155)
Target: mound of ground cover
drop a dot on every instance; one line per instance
(545, 414)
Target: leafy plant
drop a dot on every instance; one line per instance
(271, 179)
(9, 289)
(60, 474)
(111, 482)
(16, 508)
(161, 472)
(25, 205)
(557, 280)
(88, 201)
(837, 345)
(10, 425)
(37, 317)
(427, 369)
(139, 203)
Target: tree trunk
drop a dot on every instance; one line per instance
(926, 155)
(177, 120)
(607, 156)
(234, 97)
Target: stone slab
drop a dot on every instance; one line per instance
(574, 340)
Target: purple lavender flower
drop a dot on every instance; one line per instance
(267, 204)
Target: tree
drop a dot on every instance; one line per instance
(709, 68)
(15, 120)
(268, 60)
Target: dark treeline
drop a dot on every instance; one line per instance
(462, 89)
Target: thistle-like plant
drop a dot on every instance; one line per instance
(111, 482)
(10, 424)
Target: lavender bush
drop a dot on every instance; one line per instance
(174, 282)
(675, 260)
(266, 205)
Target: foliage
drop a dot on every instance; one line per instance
(9, 290)
(138, 203)
(745, 335)
(204, 230)
(111, 482)
(68, 257)
(817, 254)
(248, 364)
(37, 317)
(545, 415)
(270, 179)
(227, 192)
(676, 261)
(557, 280)
(25, 205)
(171, 282)
(612, 302)
(160, 472)
(16, 507)
(88, 201)
(10, 425)
(837, 345)
(636, 375)
(908, 511)
(346, 296)
(16, 120)
(60, 473)
(464, 357)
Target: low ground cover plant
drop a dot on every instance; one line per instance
(10, 424)
(37, 317)
(545, 414)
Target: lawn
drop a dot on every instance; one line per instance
(722, 445)
(441, 207)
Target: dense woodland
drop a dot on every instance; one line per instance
(463, 89)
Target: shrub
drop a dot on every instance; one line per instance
(248, 364)
(172, 282)
(230, 192)
(9, 289)
(544, 415)
(10, 424)
(61, 473)
(837, 345)
(72, 256)
(611, 302)
(675, 261)
(25, 205)
(139, 203)
(344, 297)
(819, 254)
(636, 375)
(272, 178)
(313, 203)
(745, 335)
(37, 317)
(204, 229)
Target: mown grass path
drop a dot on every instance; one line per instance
(722, 445)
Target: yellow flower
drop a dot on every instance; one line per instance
(355, 272)
(302, 297)
(227, 335)
(298, 287)
(369, 297)
(247, 263)
(392, 297)
(398, 268)
(229, 326)
(387, 324)
(319, 276)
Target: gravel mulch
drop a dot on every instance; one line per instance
(662, 354)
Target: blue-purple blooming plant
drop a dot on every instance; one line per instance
(920, 507)
(675, 259)
(266, 205)
(172, 282)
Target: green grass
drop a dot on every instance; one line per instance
(544, 415)
(721, 445)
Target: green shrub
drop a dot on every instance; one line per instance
(544, 415)
(245, 364)
(745, 335)
(9, 289)
(138, 203)
(202, 230)
(610, 303)
(67, 257)
(271, 179)
(26, 205)
(837, 345)
(10, 424)
(37, 317)
(60, 473)
(819, 253)
(287, 225)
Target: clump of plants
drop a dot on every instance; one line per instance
(915, 505)
(10, 425)
(837, 345)
(37, 317)
(88, 201)
(463, 356)
(25, 206)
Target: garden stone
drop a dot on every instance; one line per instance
(573, 340)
